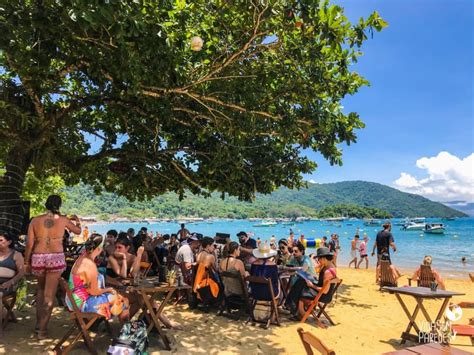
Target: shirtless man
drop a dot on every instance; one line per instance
(183, 233)
(354, 246)
(44, 257)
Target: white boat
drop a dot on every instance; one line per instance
(412, 226)
(435, 228)
(266, 224)
(334, 219)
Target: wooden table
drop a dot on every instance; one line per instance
(420, 294)
(429, 349)
(149, 289)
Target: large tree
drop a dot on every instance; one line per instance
(167, 114)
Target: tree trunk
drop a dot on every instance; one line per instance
(13, 211)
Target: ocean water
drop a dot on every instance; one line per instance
(446, 249)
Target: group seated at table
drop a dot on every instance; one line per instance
(427, 260)
(89, 286)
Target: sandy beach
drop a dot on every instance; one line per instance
(367, 322)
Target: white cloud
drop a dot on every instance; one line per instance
(448, 178)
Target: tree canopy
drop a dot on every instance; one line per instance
(197, 96)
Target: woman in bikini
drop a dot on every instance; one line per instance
(11, 266)
(44, 257)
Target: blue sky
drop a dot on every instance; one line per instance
(420, 101)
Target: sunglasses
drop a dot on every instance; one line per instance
(295, 250)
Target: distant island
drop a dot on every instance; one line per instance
(358, 199)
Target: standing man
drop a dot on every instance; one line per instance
(333, 247)
(183, 233)
(363, 252)
(291, 239)
(383, 241)
(354, 248)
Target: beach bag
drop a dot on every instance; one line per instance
(262, 311)
(205, 294)
(21, 293)
(132, 340)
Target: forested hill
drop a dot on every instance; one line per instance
(375, 199)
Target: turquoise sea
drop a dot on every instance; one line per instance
(446, 249)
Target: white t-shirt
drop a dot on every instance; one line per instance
(184, 255)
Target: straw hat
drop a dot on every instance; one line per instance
(264, 251)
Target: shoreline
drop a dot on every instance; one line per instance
(412, 246)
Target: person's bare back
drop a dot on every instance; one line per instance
(47, 230)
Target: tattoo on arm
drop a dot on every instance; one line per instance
(48, 223)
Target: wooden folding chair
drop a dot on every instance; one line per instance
(83, 321)
(386, 277)
(426, 277)
(7, 301)
(317, 304)
(312, 341)
(242, 299)
(145, 268)
(259, 280)
(465, 329)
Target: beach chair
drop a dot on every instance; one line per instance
(82, 322)
(263, 300)
(8, 302)
(231, 300)
(316, 304)
(426, 277)
(386, 277)
(144, 269)
(312, 341)
(465, 329)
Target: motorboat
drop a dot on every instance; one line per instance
(372, 222)
(413, 226)
(435, 228)
(266, 224)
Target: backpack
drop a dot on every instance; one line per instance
(21, 294)
(132, 340)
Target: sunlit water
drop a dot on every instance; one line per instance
(447, 249)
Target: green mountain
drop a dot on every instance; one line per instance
(351, 198)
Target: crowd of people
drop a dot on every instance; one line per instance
(96, 276)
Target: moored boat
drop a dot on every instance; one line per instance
(266, 224)
(413, 226)
(372, 222)
(435, 228)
